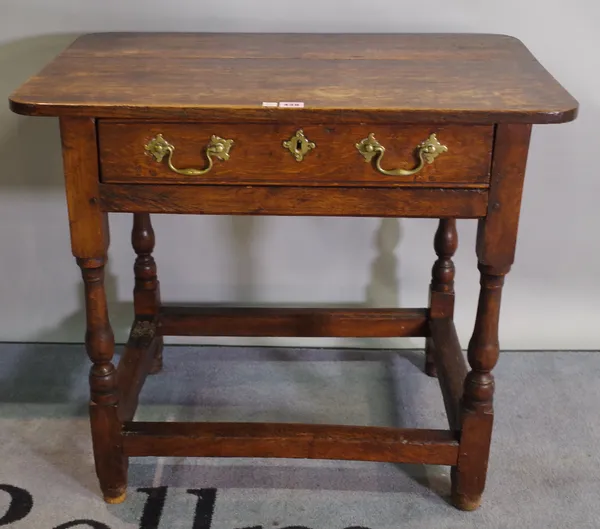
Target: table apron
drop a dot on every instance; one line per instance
(295, 201)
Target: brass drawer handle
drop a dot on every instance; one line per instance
(427, 151)
(218, 147)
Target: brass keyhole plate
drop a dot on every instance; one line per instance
(299, 145)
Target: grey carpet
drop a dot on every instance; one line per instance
(544, 469)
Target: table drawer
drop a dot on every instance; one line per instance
(320, 155)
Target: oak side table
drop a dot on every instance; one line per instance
(433, 125)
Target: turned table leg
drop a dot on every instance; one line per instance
(89, 243)
(477, 405)
(496, 242)
(441, 290)
(146, 294)
(111, 465)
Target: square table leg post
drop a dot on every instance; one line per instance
(441, 290)
(146, 294)
(496, 242)
(89, 243)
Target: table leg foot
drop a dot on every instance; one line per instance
(114, 498)
(461, 498)
(465, 503)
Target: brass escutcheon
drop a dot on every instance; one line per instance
(299, 145)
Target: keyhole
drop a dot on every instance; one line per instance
(299, 145)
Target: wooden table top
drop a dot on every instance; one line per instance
(412, 77)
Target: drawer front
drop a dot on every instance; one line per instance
(329, 154)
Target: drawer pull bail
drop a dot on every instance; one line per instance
(427, 151)
(217, 147)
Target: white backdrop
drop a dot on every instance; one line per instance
(551, 296)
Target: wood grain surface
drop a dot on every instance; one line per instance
(259, 157)
(497, 232)
(134, 365)
(293, 440)
(450, 367)
(90, 234)
(308, 201)
(444, 77)
(286, 321)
